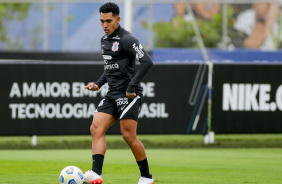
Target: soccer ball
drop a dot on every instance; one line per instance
(71, 175)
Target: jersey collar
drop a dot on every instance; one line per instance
(115, 33)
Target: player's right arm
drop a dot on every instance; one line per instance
(95, 86)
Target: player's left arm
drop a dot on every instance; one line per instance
(132, 45)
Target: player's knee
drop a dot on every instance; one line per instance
(128, 137)
(94, 130)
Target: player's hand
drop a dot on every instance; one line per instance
(130, 95)
(92, 87)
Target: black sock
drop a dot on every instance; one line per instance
(97, 163)
(144, 168)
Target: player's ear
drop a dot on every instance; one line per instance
(118, 19)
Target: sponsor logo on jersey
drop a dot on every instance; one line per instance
(138, 49)
(108, 57)
(111, 66)
(116, 37)
(115, 46)
(122, 101)
(105, 37)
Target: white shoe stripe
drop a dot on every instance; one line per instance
(129, 106)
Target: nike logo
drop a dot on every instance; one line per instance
(123, 107)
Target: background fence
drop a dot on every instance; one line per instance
(73, 25)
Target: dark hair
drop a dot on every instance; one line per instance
(110, 7)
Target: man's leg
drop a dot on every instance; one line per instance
(128, 129)
(101, 123)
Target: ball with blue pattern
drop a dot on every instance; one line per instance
(71, 175)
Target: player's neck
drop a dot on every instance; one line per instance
(115, 31)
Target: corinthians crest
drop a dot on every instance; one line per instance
(115, 46)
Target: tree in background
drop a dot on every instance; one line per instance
(11, 11)
(179, 32)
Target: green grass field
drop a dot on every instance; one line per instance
(150, 141)
(210, 165)
(218, 166)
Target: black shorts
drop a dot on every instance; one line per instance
(120, 106)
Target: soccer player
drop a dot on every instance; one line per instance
(119, 50)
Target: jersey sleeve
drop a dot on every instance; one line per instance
(132, 45)
(101, 81)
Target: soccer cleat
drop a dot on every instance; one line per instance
(144, 180)
(91, 177)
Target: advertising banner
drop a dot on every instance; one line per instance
(48, 98)
(247, 98)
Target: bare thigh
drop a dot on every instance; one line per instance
(102, 122)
